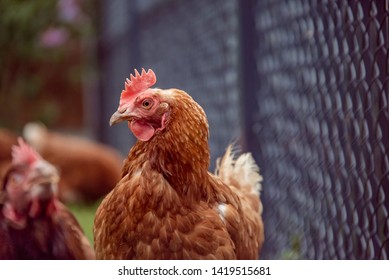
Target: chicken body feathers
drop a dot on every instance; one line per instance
(155, 222)
(58, 236)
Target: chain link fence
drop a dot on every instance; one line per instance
(303, 84)
(322, 127)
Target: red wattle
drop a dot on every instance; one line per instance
(142, 130)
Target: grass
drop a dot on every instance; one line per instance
(85, 214)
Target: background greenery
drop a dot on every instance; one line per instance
(85, 214)
(43, 61)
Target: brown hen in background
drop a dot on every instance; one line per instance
(7, 140)
(89, 170)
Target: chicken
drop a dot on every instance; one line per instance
(33, 223)
(99, 163)
(167, 205)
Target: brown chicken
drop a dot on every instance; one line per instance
(167, 205)
(89, 170)
(7, 139)
(33, 223)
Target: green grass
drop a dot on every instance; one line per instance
(85, 214)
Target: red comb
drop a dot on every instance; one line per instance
(137, 84)
(24, 154)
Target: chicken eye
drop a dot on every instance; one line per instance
(147, 103)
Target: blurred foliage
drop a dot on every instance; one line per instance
(20, 23)
(42, 47)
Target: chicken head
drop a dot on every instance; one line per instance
(146, 109)
(30, 181)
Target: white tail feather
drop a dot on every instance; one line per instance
(243, 170)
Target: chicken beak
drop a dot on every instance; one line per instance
(124, 113)
(117, 117)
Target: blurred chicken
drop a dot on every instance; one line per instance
(89, 170)
(33, 223)
(167, 205)
(7, 139)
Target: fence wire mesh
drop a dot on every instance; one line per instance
(322, 127)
